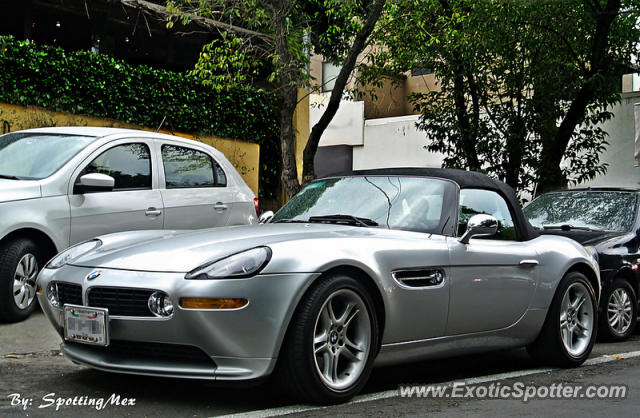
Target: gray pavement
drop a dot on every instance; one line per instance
(31, 367)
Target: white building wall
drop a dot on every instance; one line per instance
(394, 142)
(346, 127)
(620, 153)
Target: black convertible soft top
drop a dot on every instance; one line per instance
(466, 180)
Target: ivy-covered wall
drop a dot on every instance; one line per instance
(100, 86)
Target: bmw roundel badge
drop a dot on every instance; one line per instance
(94, 275)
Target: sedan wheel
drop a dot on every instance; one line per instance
(331, 342)
(568, 333)
(19, 266)
(619, 308)
(24, 281)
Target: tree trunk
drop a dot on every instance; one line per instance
(349, 64)
(550, 175)
(289, 98)
(287, 141)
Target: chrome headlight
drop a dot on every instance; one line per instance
(52, 295)
(73, 253)
(241, 265)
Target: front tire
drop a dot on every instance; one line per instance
(569, 331)
(328, 353)
(619, 313)
(20, 262)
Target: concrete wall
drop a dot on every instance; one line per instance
(621, 150)
(244, 156)
(346, 127)
(394, 142)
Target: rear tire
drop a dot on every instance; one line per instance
(328, 352)
(569, 331)
(20, 262)
(619, 311)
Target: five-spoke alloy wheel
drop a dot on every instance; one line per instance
(569, 331)
(576, 319)
(330, 345)
(342, 339)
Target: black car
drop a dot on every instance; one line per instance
(606, 219)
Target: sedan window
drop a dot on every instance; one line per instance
(186, 168)
(35, 156)
(599, 210)
(128, 164)
(476, 202)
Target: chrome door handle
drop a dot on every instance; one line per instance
(529, 263)
(153, 212)
(220, 206)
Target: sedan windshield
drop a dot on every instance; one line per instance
(407, 203)
(589, 210)
(34, 156)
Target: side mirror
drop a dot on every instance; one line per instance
(265, 217)
(480, 226)
(95, 182)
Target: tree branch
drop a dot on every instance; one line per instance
(336, 95)
(203, 21)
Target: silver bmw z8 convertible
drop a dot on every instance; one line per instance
(371, 268)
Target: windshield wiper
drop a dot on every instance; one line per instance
(9, 177)
(344, 219)
(567, 227)
(289, 221)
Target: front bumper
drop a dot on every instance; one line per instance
(240, 344)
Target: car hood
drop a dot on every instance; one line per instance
(11, 190)
(584, 237)
(183, 251)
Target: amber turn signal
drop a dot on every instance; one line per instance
(39, 289)
(213, 303)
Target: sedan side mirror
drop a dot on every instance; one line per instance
(95, 182)
(265, 217)
(480, 226)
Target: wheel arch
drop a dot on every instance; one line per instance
(42, 240)
(591, 275)
(627, 274)
(351, 271)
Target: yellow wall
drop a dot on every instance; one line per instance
(301, 125)
(244, 156)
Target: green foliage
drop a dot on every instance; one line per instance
(100, 86)
(508, 73)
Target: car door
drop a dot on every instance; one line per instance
(196, 193)
(492, 279)
(135, 202)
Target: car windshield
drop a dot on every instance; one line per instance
(34, 156)
(608, 211)
(407, 203)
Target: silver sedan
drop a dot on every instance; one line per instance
(61, 186)
(371, 268)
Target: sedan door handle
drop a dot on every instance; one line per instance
(220, 206)
(153, 212)
(529, 263)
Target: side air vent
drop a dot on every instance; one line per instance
(420, 278)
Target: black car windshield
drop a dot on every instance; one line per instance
(599, 210)
(407, 203)
(34, 156)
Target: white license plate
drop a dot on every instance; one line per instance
(86, 325)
